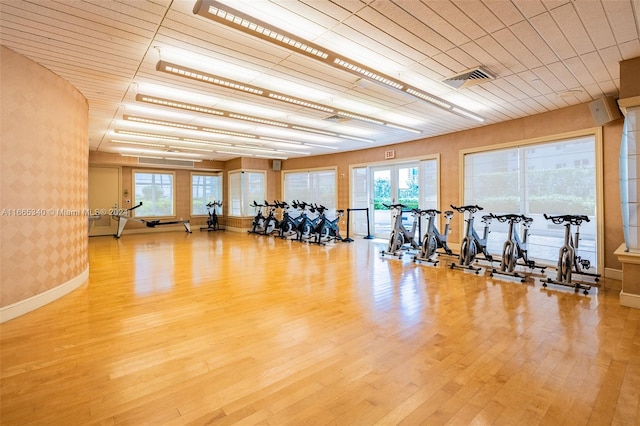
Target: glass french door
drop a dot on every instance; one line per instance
(392, 184)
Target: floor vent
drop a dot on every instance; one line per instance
(469, 78)
(165, 162)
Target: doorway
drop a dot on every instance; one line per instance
(393, 184)
(104, 193)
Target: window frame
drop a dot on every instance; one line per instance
(243, 203)
(596, 133)
(155, 172)
(219, 175)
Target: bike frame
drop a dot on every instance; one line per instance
(400, 234)
(471, 243)
(428, 250)
(568, 260)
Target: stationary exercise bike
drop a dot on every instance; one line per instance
(472, 244)
(327, 229)
(399, 234)
(432, 239)
(514, 248)
(258, 223)
(569, 262)
(212, 220)
(289, 224)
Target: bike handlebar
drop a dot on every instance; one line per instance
(394, 206)
(468, 208)
(514, 218)
(573, 219)
(430, 212)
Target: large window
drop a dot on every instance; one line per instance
(317, 186)
(156, 192)
(205, 188)
(553, 178)
(245, 187)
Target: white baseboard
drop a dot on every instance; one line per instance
(31, 304)
(235, 229)
(614, 274)
(630, 300)
(149, 229)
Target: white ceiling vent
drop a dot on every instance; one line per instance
(336, 118)
(469, 78)
(164, 162)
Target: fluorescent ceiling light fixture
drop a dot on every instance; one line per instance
(367, 73)
(468, 114)
(430, 98)
(146, 135)
(158, 152)
(207, 78)
(407, 129)
(159, 122)
(190, 149)
(278, 140)
(258, 28)
(170, 138)
(152, 157)
(183, 71)
(136, 143)
(249, 154)
(243, 117)
(321, 146)
(142, 156)
(176, 104)
(221, 13)
(294, 152)
(301, 102)
(227, 133)
(360, 117)
(203, 142)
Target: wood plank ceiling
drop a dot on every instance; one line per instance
(544, 55)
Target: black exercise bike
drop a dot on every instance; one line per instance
(212, 221)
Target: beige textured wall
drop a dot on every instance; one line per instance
(44, 155)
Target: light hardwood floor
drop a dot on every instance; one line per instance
(226, 328)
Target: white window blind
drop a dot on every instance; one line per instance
(359, 199)
(245, 187)
(205, 188)
(155, 191)
(428, 176)
(318, 187)
(555, 178)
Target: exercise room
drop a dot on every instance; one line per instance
(320, 212)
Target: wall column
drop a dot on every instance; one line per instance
(43, 186)
(629, 252)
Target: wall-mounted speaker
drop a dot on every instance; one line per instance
(276, 165)
(604, 110)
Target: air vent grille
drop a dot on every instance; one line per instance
(469, 78)
(336, 118)
(165, 162)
